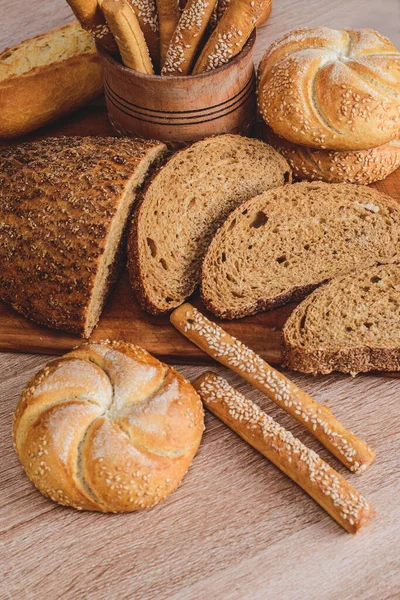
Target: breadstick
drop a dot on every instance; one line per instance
(130, 39)
(231, 33)
(286, 452)
(317, 418)
(187, 37)
(264, 16)
(147, 15)
(169, 14)
(91, 18)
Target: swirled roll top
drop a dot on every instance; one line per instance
(333, 89)
(107, 427)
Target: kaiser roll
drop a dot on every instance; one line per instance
(107, 427)
(331, 89)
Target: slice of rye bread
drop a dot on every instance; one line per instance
(281, 245)
(65, 203)
(351, 324)
(183, 206)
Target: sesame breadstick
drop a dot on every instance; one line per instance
(147, 15)
(332, 492)
(187, 37)
(91, 18)
(264, 16)
(128, 35)
(317, 418)
(169, 14)
(230, 35)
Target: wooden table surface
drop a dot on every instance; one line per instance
(236, 528)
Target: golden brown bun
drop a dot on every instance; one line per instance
(47, 77)
(231, 33)
(331, 89)
(107, 427)
(124, 24)
(337, 166)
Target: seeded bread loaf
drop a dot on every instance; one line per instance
(47, 77)
(337, 166)
(107, 427)
(333, 89)
(281, 245)
(64, 206)
(351, 324)
(183, 206)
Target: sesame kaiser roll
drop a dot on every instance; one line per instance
(107, 427)
(332, 89)
(337, 166)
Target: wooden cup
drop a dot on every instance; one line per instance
(181, 109)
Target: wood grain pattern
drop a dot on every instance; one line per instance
(237, 529)
(123, 319)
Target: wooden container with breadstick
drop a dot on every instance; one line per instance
(125, 27)
(231, 33)
(290, 455)
(187, 37)
(91, 18)
(317, 418)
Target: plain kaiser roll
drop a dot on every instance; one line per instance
(107, 427)
(333, 89)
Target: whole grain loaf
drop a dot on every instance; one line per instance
(64, 206)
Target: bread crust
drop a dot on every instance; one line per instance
(331, 89)
(107, 428)
(51, 252)
(285, 451)
(337, 166)
(46, 93)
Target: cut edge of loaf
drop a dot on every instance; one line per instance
(111, 258)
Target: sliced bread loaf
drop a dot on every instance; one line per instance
(351, 324)
(281, 245)
(65, 203)
(183, 206)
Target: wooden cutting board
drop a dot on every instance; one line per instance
(123, 319)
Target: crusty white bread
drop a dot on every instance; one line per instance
(65, 203)
(187, 37)
(169, 14)
(332, 492)
(281, 245)
(91, 18)
(107, 427)
(47, 77)
(337, 166)
(332, 89)
(351, 324)
(232, 353)
(128, 34)
(183, 206)
(230, 34)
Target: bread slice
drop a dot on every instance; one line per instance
(47, 77)
(281, 245)
(184, 205)
(351, 324)
(65, 203)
